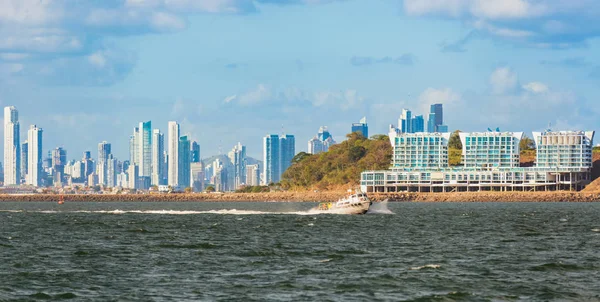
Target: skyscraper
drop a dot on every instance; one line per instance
(24, 159)
(288, 151)
(238, 158)
(134, 146)
(144, 144)
(12, 147)
(104, 150)
(278, 152)
(321, 142)
(158, 148)
(173, 148)
(35, 156)
(361, 127)
(271, 159)
(111, 171)
(195, 152)
(405, 121)
(418, 124)
(184, 163)
(436, 119)
(59, 160)
(252, 175)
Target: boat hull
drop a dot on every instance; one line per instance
(355, 209)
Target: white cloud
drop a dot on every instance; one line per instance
(536, 87)
(503, 80)
(33, 12)
(345, 100)
(445, 96)
(97, 59)
(230, 98)
(484, 9)
(258, 95)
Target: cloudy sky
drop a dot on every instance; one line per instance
(236, 70)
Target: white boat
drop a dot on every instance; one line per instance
(354, 204)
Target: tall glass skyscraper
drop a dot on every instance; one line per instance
(104, 150)
(436, 119)
(35, 156)
(361, 127)
(288, 151)
(238, 158)
(158, 158)
(184, 163)
(195, 152)
(145, 149)
(271, 159)
(12, 147)
(24, 159)
(405, 121)
(278, 152)
(173, 149)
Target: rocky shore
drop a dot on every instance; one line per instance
(319, 197)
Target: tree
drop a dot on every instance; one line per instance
(96, 188)
(454, 141)
(188, 190)
(210, 189)
(300, 157)
(526, 144)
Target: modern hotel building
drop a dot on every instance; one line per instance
(490, 162)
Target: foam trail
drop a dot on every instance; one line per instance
(380, 208)
(172, 212)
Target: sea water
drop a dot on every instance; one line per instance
(282, 252)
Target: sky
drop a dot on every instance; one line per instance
(233, 71)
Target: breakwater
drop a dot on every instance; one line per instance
(299, 196)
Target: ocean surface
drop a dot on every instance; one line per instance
(281, 252)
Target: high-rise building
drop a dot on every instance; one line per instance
(489, 150)
(132, 176)
(12, 147)
(104, 150)
(184, 163)
(278, 152)
(158, 153)
(361, 127)
(88, 164)
(173, 149)
(144, 144)
(288, 151)
(419, 150)
(252, 175)
(111, 171)
(321, 142)
(24, 159)
(564, 149)
(436, 119)
(59, 160)
(133, 146)
(405, 121)
(418, 124)
(35, 156)
(238, 158)
(197, 176)
(195, 152)
(271, 159)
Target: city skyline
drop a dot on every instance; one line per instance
(530, 65)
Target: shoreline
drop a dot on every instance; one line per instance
(326, 196)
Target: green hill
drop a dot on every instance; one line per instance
(341, 165)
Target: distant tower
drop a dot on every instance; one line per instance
(35, 156)
(158, 157)
(12, 147)
(173, 148)
(144, 145)
(361, 127)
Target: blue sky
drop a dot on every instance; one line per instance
(236, 70)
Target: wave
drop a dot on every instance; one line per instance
(428, 266)
(165, 212)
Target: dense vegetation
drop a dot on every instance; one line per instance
(341, 165)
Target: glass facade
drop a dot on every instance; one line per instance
(488, 150)
(566, 149)
(420, 150)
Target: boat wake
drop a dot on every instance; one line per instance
(168, 212)
(380, 208)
